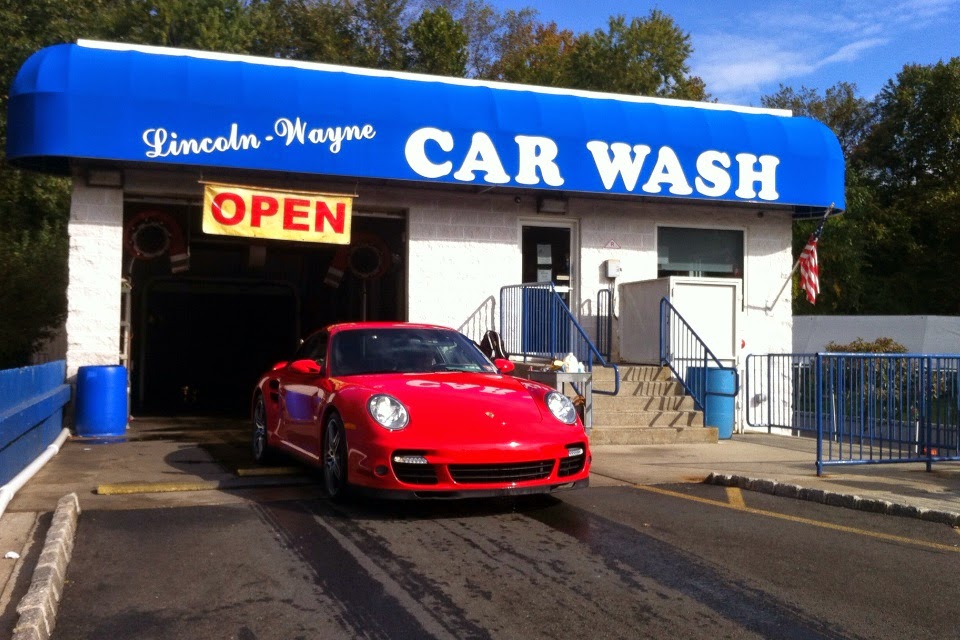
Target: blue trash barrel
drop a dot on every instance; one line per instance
(101, 406)
(720, 397)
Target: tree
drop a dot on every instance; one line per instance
(849, 240)
(482, 25)
(302, 30)
(438, 44)
(34, 208)
(911, 158)
(378, 33)
(848, 115)
(533, 53)
(208, 25)
(646, 57)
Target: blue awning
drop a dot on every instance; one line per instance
(118, 103)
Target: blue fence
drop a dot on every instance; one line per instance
(31, 414)
(536, 322)
(862, 408)
(688, 356)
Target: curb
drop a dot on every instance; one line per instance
(38, 608)
(831, 498)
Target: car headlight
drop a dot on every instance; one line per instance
(388, 412)
(561, 407)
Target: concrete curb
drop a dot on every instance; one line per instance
(38, 608)
(849, 501)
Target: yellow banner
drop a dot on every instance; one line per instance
(230, 210)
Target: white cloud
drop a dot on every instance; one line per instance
(853, 51)
(789, 42)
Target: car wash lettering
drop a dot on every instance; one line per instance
(431, 154)
(459, 386)
(266, 213)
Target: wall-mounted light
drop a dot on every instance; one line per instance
(105, 178)
(551, 205)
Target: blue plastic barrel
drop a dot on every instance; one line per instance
(101, 406)
(720, 397)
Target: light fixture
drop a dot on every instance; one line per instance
(104, 178)
(551, 205)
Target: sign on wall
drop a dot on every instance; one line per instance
(256, 212)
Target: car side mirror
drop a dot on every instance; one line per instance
(504, 366)
(306, 367)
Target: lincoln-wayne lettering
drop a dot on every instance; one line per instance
(162, 143)
(297, 131)
(428, 150)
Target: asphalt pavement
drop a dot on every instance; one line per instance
(160, 463)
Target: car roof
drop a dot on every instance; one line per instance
(348, 326)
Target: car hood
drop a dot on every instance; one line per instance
(483, 403)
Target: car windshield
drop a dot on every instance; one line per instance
(404, 350)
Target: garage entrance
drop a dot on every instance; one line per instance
(208, 314)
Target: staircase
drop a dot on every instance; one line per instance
(651, 408)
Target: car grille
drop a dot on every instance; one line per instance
(415, 473)
(570, 466)
(518, 472)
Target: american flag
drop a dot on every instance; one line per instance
(809, 269)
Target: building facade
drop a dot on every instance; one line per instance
(225, 205)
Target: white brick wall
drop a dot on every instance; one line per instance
(95, 271)
(462, 248)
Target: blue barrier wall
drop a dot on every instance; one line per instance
(31, 414)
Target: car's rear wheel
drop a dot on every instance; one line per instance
(335, 458)
(262, 453)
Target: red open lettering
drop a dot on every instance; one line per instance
(295, 208)
(261, 206)
(221, 216)
(336, 222)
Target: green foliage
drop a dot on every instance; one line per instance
(647, 56)
(879, 345)
(207, 25)
(33, 293)
(895, 249)
(439, 44)
(533, 53)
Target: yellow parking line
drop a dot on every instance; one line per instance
(814, 523)
(735, 498)
(123, 488)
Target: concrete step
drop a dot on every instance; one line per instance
(653, 435)
(650, 388)
(633, 373)
(638, 418)
(642, 403)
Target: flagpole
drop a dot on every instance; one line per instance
(797, 263)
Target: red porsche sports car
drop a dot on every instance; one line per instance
(414, 410)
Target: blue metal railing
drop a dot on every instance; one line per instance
(536, 322)
(687, 355)
(31, 414)
(605, 322)
(863, 408)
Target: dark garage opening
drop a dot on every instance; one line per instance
(201, 336)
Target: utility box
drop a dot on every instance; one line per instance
(613, 269)
(711, 306)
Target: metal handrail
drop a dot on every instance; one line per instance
(543, 326)
(682, 349)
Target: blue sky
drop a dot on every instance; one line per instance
(744, 49)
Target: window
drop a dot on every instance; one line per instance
(313, 348)
(704, 253)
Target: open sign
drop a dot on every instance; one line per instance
(281, 215)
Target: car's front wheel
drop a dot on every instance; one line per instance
(262, 454)
(335, 458)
